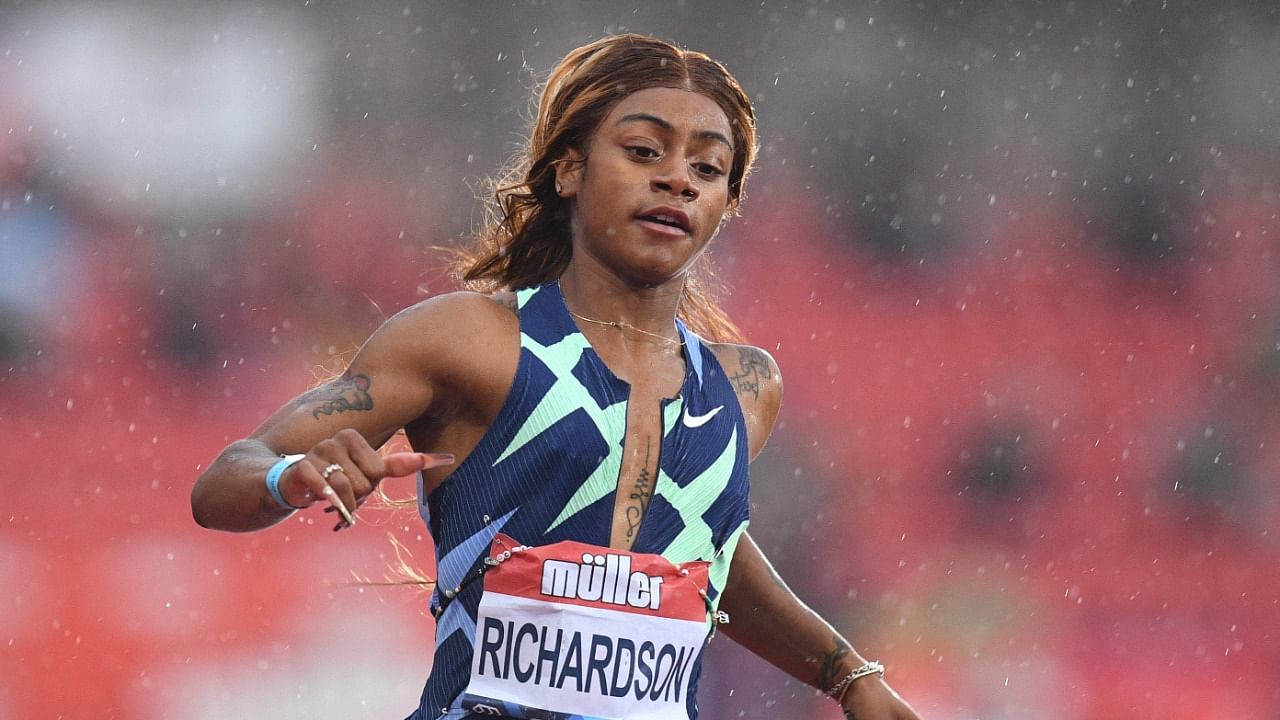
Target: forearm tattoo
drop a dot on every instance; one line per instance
(641, 492)
(829, 672)
(753, 367)
(349, 393)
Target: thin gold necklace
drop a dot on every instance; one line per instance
(628, 326)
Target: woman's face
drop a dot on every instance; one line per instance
(654, 186)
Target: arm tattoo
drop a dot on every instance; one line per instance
(641, 492)
(349, 392)
(829, 673)
(753, 366)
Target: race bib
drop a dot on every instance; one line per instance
(572, 630)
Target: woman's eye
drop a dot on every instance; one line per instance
(642, 151)
(707, 169)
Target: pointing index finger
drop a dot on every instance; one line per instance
(408, 463)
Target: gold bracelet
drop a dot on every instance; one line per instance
(871, 668)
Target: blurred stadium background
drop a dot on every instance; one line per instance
(1019, 261)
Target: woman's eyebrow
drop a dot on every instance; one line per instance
(655, 120)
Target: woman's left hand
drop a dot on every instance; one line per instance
(870, 698)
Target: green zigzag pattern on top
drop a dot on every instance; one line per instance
(566, 396)
(718, 575)
(693, 500)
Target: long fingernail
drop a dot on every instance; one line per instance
(346, 514)
(439, 458)
(336, 502)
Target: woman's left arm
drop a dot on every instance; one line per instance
(769, 620)
(764, 615)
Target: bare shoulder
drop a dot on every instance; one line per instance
(454, 316)
(448, 337)
(757, 381)
(432, 359)
(472, 305)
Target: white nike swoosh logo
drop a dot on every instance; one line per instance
(694, 421)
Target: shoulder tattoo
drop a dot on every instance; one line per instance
(348, 393)
(753, 368)
(507, 300)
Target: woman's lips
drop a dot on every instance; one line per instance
(659, 228)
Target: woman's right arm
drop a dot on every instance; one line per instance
(401, 374)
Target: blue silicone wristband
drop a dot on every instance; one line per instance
(273, 480)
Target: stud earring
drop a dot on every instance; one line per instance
(559, 189)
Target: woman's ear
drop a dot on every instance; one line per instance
(569, 173)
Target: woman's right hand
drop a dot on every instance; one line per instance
(345, 469)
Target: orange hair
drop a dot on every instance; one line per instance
(526, 237)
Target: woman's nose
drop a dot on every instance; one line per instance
(673, 177)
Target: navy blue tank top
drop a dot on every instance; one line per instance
(547, 470)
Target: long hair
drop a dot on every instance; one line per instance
(525, 239)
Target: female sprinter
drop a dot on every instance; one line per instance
(591, 536)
